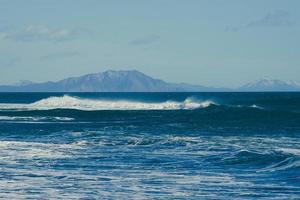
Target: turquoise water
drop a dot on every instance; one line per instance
(150, 145)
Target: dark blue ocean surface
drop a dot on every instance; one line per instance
(150, 145)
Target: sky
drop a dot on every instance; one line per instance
(206, 42)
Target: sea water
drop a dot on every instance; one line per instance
(150, 145)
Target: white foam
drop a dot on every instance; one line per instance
(256, 106)
(12, 151)
(68, 102)
(295, 152)
(30, 118)
(246, 106)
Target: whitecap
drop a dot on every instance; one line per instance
(69, 102)
(34, 118)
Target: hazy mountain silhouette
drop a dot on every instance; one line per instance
(135, 81)
(108, 81)
(271, 85)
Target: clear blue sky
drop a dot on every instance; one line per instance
(207, 42)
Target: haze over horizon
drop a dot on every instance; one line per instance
(203, 42)
(264, 79)
(136, 81)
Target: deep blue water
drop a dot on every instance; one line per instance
(150, 145)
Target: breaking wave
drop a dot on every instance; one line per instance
(69, 102)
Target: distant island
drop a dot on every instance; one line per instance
(135, 81)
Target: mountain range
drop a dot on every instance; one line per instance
(271, 85)
(135, 81)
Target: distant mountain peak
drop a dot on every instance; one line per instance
(108, 81)
(271, 85)
(120, 73)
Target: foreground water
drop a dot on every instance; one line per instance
(150, 145)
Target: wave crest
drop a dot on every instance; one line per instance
(69, 102)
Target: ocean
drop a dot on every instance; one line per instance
(150, 146)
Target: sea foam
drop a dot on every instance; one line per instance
(69, 102)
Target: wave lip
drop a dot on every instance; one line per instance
(69, 102)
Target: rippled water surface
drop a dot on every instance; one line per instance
(150, 146)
